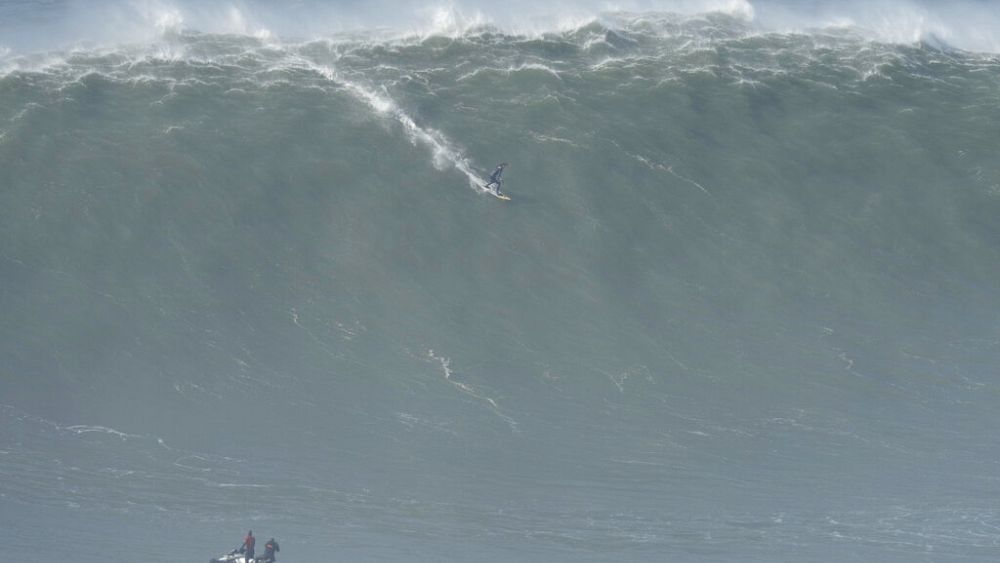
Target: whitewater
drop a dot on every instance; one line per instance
(742, 305)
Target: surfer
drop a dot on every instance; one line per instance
(495, 179)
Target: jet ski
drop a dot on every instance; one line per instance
(235, 556)
(231, 557)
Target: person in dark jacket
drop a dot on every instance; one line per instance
(269, 548)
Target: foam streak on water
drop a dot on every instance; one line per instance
(444, 153)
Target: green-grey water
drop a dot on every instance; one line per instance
(742, 305)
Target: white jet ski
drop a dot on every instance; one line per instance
(235, 556)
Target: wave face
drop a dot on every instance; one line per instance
(741, 307)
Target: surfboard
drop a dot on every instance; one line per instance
(497, 195)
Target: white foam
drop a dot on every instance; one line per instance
(668, 169)
(451, 21)
(467, 389)
(412, 422)
(83, 429)
(742, 9)
(169, 20)
(552, 139)
(965, 24)
(512, 69)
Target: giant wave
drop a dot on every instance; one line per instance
(741, 307)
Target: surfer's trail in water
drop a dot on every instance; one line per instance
(742, 305)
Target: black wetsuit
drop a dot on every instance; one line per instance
(496, 179)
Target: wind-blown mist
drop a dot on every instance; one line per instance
(741, 306)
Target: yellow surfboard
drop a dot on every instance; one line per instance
(497, 195)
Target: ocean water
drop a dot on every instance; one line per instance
(743, 305)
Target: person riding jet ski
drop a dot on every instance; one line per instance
(269, 548)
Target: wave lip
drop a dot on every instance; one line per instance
(964, 24)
